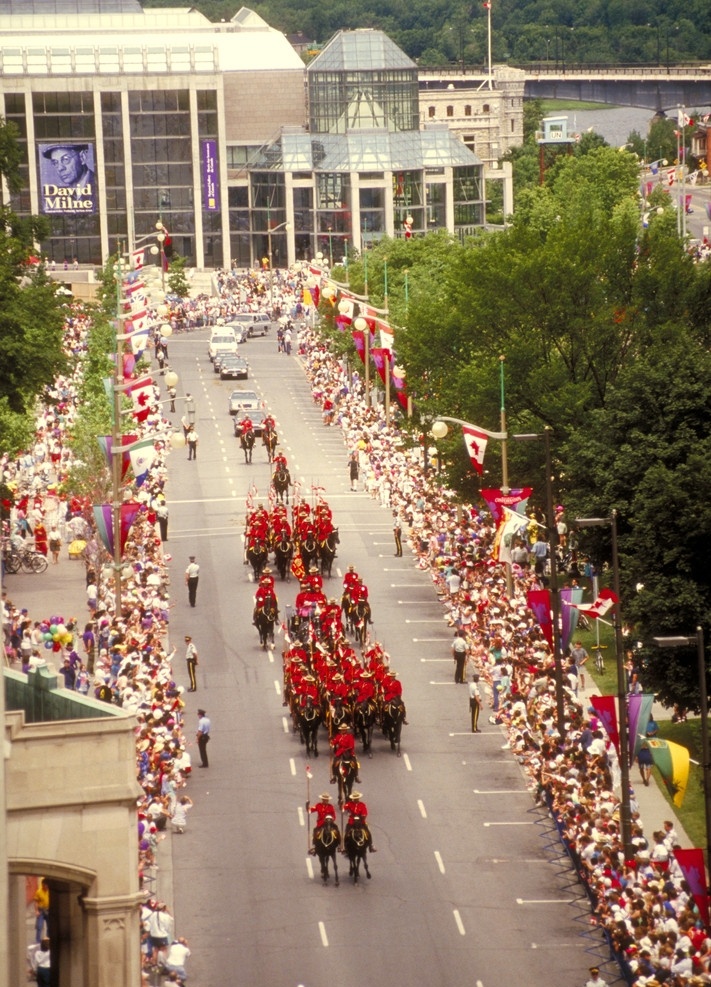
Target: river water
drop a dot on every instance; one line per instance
(614, 124)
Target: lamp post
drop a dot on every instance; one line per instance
(330, 246)
(555, 595)
(362, 326)
(161, 238)
(625, 821)
(683, 642)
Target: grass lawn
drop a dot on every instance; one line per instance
(692, 812)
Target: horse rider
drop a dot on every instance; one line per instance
(268, 424)
(306, 689)
(265, 597)
(392, 692)
(365, 688)
(359, 811)
(279, 461)
(324, 810)
(349, 581)
(246, 425)
(315, 580)
(343, 745)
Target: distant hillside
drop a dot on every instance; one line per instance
(554, 31)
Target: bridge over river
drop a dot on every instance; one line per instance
(652, 87)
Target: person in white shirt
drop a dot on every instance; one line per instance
(176, 956)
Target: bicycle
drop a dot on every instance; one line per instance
(599, 660)
(28, 560)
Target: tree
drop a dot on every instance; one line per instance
(178, 283)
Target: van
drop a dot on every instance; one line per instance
(223, 342)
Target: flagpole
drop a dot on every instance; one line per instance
(116, 449)
(308, 807)
(488, 36)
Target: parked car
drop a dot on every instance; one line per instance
(241, 400)
(256, 417)
(233, 368)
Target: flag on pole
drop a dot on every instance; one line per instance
(693, 868)
(106, 445)
(475, 441)
(142, 458)
(539, 603)
(603, 604)
(569, 614)
(683, 119)
(673, 763)
(387, 336)
(639, 706)
(605, 708)
(138, 259)
(511, 524)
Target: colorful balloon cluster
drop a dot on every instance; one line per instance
(55, 633)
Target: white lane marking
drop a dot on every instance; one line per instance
(406, 759)
(517, 860)
(421, 807)
(423, 660)
(501, 791)
(277, 686)
(436, 620)
(444, 683)
(487, 825)
(322, 932)
(302, 815)
(271, 655)
(432, 640)
(409, 586)
(440, 862)
(460, 924)
(309, 868)
(292, 766)
(544, 901)
(285, 724)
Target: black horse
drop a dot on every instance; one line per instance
(257, 556)
(309, 719)
(393, 719)
(269, 441)
(327, 552)
(281, 481)
(358, 617)
(246, 440)
(327, 839)
(356, 843)
(283, 554)
(363, 723)
(337, 714)
(308, 550)
(264, 619)
(346, 769)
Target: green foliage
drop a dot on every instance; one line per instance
(176, 282)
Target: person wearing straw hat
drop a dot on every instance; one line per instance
(324, 810)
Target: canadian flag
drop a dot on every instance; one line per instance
(603, 604)
(475, 441)
(138, 258)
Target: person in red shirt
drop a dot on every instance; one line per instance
(359, 809)
(324, 810)
(268, 423)
(246, 425)
(343, 745)
(279, 461)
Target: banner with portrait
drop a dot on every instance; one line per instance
(67, 178)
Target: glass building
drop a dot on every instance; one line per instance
(128, 116)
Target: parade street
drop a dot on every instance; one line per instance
(462, 885)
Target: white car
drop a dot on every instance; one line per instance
(225, 342)
(243, 401)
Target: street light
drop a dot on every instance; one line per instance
(625, 821)
(281, 226)
(555, 597)
(161, 237)
(362, 326)
(684, 642)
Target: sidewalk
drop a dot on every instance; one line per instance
(653, 806)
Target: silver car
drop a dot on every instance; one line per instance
(243, 401)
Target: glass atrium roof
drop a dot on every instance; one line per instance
(364, 50)
(364, 150)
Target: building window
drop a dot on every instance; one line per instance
(486, 108)
(450, 111)
(513, 125)
(431, 111)
(467, 110)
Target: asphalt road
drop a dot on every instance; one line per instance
(461, 884)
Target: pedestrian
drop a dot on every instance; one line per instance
(579, 656)
(162, 516)
(192, 438)
(41, 903)
(459, 652)
(179, 818)
(192, 577)
(203, 737)
(41, 963)
(174, 961)
(353, 470)
(172, 394)
(595, 978)
(185, 423)
(55, 543)
(191, 657)
(397, 534)
(474, 702)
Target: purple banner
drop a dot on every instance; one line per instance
(67, 178)
(209, 176)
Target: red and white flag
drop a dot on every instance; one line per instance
(138, 259)
(138, 322)
(475, 441)
(603, 604)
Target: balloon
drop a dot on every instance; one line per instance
(61, 628)
(53, 628)
(47, 636)
(56, 646)
(48, 645)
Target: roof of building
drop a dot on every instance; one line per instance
(363, 50)
(364, 150)
(52, 31)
